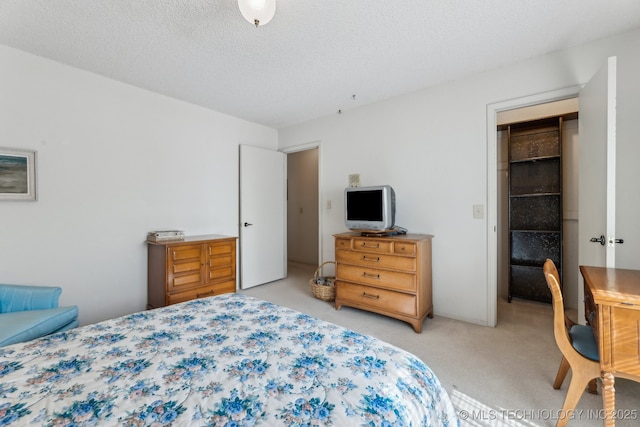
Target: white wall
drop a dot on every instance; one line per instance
(114, 162)
(431, 146)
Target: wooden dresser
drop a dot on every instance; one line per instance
(196, 267)
(389, 275)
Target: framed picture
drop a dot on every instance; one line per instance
(17, 174)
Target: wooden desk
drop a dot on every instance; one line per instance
(612, 308)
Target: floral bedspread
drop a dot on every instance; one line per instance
(230, 360)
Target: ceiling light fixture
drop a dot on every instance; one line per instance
(258, 12)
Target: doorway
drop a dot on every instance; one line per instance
(494, 179)
(303, 207)
(568, 110)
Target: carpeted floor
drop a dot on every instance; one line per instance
(509, 368)
(473, 413)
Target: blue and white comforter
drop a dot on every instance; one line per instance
(229, 360)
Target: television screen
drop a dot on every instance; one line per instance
(365, 205)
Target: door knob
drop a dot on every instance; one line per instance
(602, 241)
(246, 224)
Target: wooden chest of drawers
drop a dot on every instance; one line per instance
(389, 275)
(196, 267)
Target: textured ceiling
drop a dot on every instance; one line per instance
(315, 54)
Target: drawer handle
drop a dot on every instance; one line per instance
(376, 246)
(366, 295)
(364, 258)
(199, 295)
(371, 276)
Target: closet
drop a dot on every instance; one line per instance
(535, 205)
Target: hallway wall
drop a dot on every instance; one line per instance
(302, 206)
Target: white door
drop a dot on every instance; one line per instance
(597, 131)
(263, 256)
(609, 175)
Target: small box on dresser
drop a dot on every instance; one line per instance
(389, 275)
(194, 267)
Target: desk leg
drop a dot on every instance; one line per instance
(608, 398)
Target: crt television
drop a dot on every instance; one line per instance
(370, 208)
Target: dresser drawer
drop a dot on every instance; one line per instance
(220, 262)
(380, 299)
(184, 281)
(183, 253)
(202, 292)
(394, 280)
(376, 260)
(185, 267)
(221, 248)
(220, 269)
(374, 246)
(406, 249)
(343, 243)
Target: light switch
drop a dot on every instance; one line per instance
(478, 211)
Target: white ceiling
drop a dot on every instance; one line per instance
(315, 54)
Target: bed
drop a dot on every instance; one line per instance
(229, 360)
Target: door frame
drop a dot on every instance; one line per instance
(492, 183)
(304, 147)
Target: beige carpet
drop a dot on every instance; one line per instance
(507, 368)
(473, 413)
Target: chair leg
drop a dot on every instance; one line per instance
(577, 386)
(562, 373)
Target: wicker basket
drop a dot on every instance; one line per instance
(325, 291)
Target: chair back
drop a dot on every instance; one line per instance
(559, 326)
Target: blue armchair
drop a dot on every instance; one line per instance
(29, 312)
